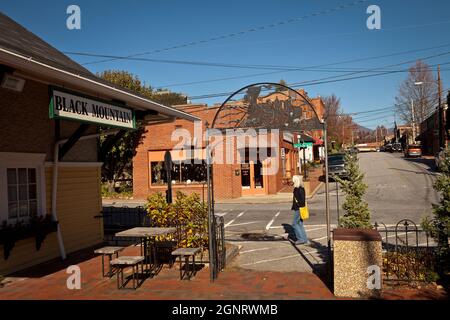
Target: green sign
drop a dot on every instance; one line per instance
(303, 145)
(73, 106)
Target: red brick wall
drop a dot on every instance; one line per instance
(226, 183)
(25, 125)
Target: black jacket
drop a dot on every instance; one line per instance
(299, 195)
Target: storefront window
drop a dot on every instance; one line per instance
(180, 173)
(22, 192)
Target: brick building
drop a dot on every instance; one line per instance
(231, 180)
(50, 168)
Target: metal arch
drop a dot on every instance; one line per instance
(262, 84)
(211, 216)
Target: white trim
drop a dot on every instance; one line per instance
(22, 160)
(49, 164)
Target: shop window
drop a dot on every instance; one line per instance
(181, 172)
(22, 193)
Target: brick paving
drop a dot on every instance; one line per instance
(235, 284)
(48, 282)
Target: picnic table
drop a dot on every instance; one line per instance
(146, 237)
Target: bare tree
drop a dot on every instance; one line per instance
(339, 125)
(418, 92)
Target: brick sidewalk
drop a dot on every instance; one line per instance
(233, 284)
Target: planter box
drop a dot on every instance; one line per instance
(354, 251)
(10, 235)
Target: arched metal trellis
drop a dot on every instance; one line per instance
(264, 105)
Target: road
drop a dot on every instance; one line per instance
(398, 188)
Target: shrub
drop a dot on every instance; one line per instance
(410, 265)
(438, 227)
(188, 214)
(357, 213)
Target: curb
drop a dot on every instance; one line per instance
(232, 252)
(315, 190)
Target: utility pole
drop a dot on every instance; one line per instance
(413, 119)
(441, 112)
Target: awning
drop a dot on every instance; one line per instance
(306, 138)
(318, 142)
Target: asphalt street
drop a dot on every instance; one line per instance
(398, 188)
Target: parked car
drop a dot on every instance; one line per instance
(336, 165)
(438, 158)
(397, 147)
(382, 149)
(388, 147)
(413, 150)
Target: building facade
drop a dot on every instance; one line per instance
(251, 175)
(50, 166)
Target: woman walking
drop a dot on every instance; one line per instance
(299, 201)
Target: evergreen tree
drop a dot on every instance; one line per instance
(439, 226)
(357, 210)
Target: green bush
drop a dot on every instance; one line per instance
(188, 213)
(357, 214)
(410, 265)
(125, 191)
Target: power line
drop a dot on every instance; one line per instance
(322, 65)
(232, 65)
(318, 68)
(332, 79)
(234, 34)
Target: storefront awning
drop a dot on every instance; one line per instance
(318, 142)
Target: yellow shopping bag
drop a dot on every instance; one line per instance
(304, 212)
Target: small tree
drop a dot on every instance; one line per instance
(357, 210)
(439, 226)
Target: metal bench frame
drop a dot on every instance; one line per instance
(120, 278)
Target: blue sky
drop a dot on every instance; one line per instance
(128, 27)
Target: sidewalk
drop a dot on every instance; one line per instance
(236, 284)
(281, 197)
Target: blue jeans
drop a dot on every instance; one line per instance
(299, 230)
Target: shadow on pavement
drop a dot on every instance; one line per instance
(431, 165)
(318, 261)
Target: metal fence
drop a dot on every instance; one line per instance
(220, 243)
(409, 252)
(116, 219)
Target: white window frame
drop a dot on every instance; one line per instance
(22, 160)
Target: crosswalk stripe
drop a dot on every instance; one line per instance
(243, 223)
(271, 260)
(238, 216)
(272, 221)
(253, 250)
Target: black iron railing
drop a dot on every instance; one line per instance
(116, 219)
(409, 252)
(220, 243)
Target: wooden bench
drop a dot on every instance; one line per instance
(124, 262)
(108, 251)
(187, 253)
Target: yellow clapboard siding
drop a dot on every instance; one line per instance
(24, 254)
(78, 201)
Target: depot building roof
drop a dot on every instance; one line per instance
(24, 53)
